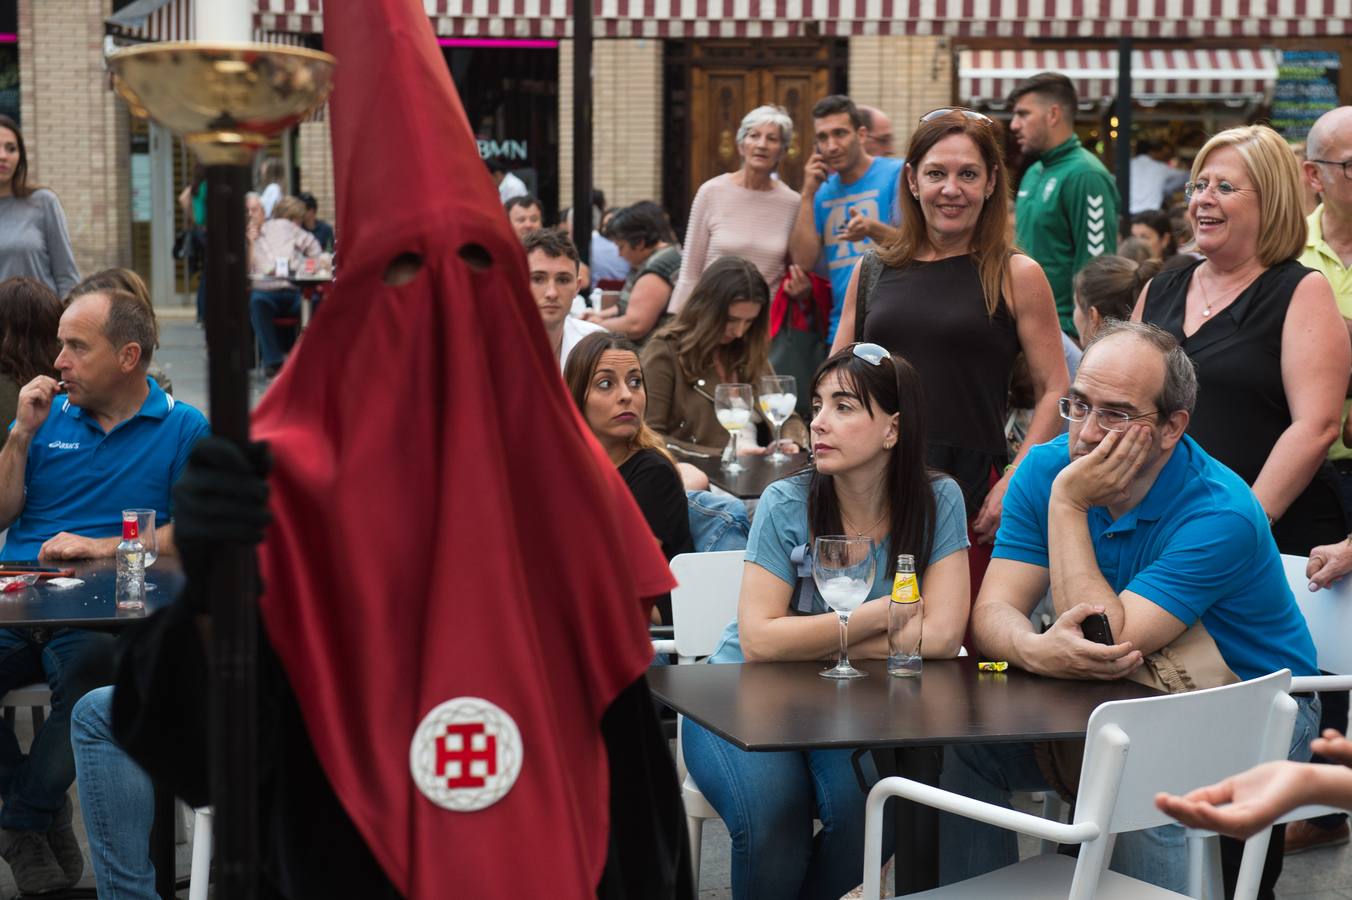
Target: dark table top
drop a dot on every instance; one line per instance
(91, 604)
(788, 706)
(756, 475)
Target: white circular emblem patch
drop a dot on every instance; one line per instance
(466, 754)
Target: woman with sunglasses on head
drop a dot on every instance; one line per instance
(606, 380)
(954, 297)
(34, 241)
(720, 336)
(1272, 360)
(869, 479)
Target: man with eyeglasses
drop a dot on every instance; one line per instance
(1065, 213)
(1129, 517)
(1327, 171)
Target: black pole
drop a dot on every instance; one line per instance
(1122, 144)
(582, 127)
(234, 610)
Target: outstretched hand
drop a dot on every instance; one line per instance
(1244, 804)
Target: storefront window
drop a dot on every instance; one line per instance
(510, 93)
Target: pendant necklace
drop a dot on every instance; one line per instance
(871, 527)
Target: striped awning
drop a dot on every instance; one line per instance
(986, 76)
(172, 20)
(792, 18)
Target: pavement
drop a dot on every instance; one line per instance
(1324, 874)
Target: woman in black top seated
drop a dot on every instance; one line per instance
(606, 380)
(953, 297)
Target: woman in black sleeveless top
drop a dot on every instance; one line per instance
(1270, 347)
(953, 298)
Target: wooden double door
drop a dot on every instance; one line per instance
(728, 79)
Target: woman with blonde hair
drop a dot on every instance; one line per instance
(747, 213)
(721, 336)
(1271, 351)
(954, 297)
(605, 377)
(281, 240)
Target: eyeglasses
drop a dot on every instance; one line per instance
(1221, 188)
(969, 113)
(1108, 419)
(1346, 165)
(870, 353)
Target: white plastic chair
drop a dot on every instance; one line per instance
(702, 604)
(199, 880)
(1133, 749)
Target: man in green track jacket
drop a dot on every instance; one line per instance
(1066, 211)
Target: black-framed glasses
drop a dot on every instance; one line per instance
(1073, 410)
(1345, 165)
(969, 113)
(1220, 188)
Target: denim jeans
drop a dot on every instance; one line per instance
(118, 802)
(264, 306)
(34, 786)
(768, 801)
(717, 521)
(990, 772)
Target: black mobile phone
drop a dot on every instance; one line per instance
(1096, 629)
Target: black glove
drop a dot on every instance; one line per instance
(221, 498)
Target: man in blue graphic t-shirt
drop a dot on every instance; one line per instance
(850, 200)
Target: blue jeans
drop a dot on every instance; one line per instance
(990, 772)
(717, 522)
(768, 801)
(118, 802)
(264, 306)
(34, 786)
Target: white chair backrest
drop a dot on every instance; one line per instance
(704, 600)
(1328, 613)
(1180, 742)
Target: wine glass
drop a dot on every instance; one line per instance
(733, 404)
(145, 529)
(843, 568)
(778, 397)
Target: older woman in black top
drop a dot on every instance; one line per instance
(953, 296)
(1270, 346)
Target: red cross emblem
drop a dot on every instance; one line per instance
(465, 754)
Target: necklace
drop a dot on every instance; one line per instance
(868, 529)
(1206, 298)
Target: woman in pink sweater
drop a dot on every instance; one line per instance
(746, 213)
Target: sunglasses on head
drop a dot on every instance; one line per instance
(969, 113)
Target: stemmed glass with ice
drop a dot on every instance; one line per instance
(843, 568)
(778, 397)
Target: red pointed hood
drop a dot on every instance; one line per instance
(446, 527)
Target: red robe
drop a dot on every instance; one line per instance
(446, 526)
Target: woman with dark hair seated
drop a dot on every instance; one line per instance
(1156, 230)
(869, 480)
(720, 336)
(29, 316)
(644, 239)
(606, 380)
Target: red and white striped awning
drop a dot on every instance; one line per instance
(791, 18)
(987, 76)
(173, 20)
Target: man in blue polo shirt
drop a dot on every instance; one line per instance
(1129, 517)
(104, 439)
(849, 202)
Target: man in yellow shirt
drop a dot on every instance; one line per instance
(1328, 247)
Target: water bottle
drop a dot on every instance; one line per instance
(131, 566)
(905, 618)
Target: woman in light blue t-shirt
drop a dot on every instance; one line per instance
(869, 479)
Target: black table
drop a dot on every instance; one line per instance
(787, 706)
(93, 605)
(757, 473)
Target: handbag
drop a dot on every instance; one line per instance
(799, 353)
(1189, 662)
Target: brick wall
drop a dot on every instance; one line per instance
(316, 164)
(626, 120)
(905, 77)
(75, 127)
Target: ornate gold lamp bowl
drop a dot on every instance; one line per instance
(225, 100)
